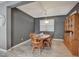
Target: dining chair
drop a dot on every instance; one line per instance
(36, 43)
(31, 34)
(48, 42)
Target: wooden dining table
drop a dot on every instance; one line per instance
(38, 40)
(44, 37)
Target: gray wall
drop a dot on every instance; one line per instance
(59, 26)
(22, 24)
(11, 5)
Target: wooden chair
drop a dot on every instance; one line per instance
(36, 43)
(31, 34)
(48, 42)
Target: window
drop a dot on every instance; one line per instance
(47, 25)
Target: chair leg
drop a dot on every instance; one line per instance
(33, 49)
(50, 44)
(39, 51)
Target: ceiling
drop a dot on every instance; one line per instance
(47, 8)
(2, 1)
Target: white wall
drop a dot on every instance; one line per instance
(3, 29)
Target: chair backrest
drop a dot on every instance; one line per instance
(36, 39)
(31, 34)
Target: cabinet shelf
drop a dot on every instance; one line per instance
(69, 30)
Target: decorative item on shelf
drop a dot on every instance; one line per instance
(2, 20)
(74, 12)
(71, 34)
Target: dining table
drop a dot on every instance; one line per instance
(44, 37)
(39, 40)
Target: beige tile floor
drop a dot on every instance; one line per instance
(25, 50)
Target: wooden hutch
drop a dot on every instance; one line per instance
(71, 33)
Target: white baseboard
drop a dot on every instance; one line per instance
(19, 44)
(3, 50)
(59, 39)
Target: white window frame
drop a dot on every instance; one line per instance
(45, 27)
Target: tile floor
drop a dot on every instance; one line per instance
(25, 50)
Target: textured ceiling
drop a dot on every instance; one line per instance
(47, 8)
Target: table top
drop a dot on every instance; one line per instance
(44, 36)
